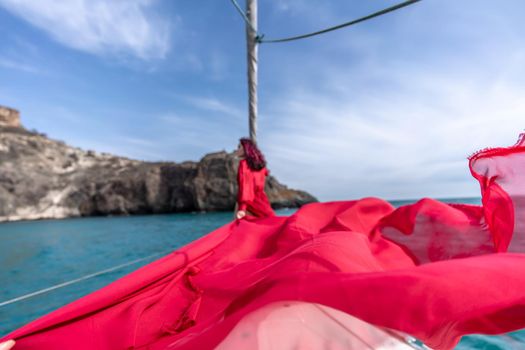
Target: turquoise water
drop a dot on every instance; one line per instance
(38, 254)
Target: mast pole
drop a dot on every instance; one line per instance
(251, 38)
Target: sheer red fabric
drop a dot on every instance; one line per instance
(501, 175)
(251, 195)
(433, 270)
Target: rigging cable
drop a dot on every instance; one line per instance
(260, 38)
(76, 280)
(246, 19)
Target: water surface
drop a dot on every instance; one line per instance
(38, 254)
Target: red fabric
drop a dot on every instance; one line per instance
(251, 194)
(429, 269)
(501, 174)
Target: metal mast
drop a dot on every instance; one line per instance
(251, 38)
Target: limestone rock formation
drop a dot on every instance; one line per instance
(9, 117)
(43, 178)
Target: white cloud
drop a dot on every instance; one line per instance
(137, 141)
(213, 104)
(301, 8)
(198, 134)
(11, 64)
(398, 119)
(405, 142)
(102, 27)
(218, 66)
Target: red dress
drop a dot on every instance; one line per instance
(251, 196)
(434, 270)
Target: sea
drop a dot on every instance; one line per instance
(92, 252)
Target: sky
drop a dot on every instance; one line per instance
(389, 108)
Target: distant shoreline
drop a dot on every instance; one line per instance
(42, 178)
(396, 203)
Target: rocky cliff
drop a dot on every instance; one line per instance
(43, 178)
(9, 117)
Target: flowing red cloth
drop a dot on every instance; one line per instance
(433, 270)
(251, 194)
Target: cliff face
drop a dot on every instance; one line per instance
(9, 117)
(42, 178)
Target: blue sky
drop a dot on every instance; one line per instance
(390, 108)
